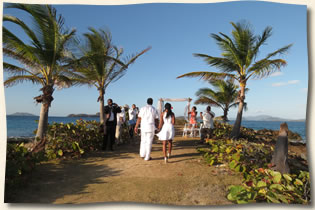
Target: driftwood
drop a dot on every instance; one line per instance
(280, 156)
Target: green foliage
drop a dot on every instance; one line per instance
(19, 162)
(63, 141)
(271, 186)
(260, 184)
(72, 139)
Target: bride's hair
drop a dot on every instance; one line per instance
(169, 112)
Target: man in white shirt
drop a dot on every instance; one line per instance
(208, 127)
(148, 117)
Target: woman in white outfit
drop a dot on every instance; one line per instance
(167, 132)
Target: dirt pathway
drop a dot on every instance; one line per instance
(122, 175)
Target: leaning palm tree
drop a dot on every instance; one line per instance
(40, 55)
(224, 95)
(238, 61)
(101, 63)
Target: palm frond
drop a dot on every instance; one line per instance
(13, 80)
(224, 64)
(15, 70)
(280, 51)
(207, 76)
(25, 28)
(264, 68)
(203, 100)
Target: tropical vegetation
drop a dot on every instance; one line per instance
(239, 61)
(41, 55)
(101, 63)
(223, 95)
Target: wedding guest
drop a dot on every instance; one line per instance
(133, 112)
(120, 122)
(207, 128)
(110, 111)
(193, 120)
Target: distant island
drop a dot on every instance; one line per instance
(269, 118)
(84, 115)
(23, 114)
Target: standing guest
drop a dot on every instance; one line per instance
(133, 112)
(168, 131)
(193, 120)
(120, 121)
(148, 117)
(110, 111)
(208, 127)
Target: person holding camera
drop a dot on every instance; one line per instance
(110, 111)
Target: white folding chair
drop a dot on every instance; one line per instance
(199, 130)
(185, 130)
(192, 130)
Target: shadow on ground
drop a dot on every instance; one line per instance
(52, 181)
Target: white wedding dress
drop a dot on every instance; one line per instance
(168, 131)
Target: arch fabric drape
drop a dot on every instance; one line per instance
(187, 107)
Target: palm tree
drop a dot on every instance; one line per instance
(101, 63)
(238, 61)
(224, 95)
(41, 55)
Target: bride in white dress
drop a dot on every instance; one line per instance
(167, 132)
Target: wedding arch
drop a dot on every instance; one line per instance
(187, 107)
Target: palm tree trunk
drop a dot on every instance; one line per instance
(46, 99)
(101, 99)
(237, 125)
(225, 113)
(43, 121)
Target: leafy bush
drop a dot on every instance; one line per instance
(19, 162)
(72, 140)
(272, 186)
(259, 184)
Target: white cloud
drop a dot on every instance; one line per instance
(275, 74)
(278, 84)
(291, 82)
(259, 111)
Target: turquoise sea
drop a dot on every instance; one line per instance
(18, 126)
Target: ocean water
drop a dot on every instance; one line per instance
(18, 126)
(24, 126)
(298, 127)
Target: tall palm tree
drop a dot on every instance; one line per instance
(238, 61)
(101, 63)
(41, 55)
(224, 95)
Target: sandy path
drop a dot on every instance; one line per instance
(122, 175)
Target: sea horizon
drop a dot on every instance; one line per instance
(24, 126)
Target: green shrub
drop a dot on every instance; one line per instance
(260, 184)
(265, 185)
(19, 162)
(73, 140)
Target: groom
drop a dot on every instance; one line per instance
(148, 117)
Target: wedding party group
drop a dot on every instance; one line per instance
(150, 123)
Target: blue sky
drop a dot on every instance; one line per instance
(175, 32)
